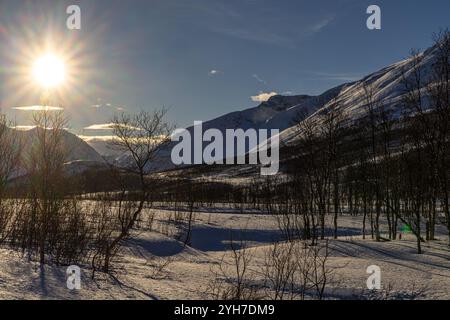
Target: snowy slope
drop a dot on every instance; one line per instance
(282, 112)
(189, 270)
(386, 84)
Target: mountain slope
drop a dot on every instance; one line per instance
(78, 150)
(282, 112)
(387, 86)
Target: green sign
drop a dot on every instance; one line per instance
(406, 229)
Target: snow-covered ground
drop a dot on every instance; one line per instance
(154, 266)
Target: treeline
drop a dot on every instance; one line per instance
(391, 169)
(381, 165)
(389, 166)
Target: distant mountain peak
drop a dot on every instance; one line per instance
(77, 148)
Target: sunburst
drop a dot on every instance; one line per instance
(49, 71)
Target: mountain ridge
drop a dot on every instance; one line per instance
(282, 112)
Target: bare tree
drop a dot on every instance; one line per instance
(140, 137)
(296, 270)
(372, 105)
(332, 130)
(234, 281)
(280, 268)
(439, 93)
(10, 146)
(46, 174)
(417, 155)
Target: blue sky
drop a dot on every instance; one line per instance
(205, 58)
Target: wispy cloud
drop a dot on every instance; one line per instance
(27, 128)
(110, 138)
(102, 126)
(215, 72)
(255, 36)
(97, 138)
(259, 79)
(275, 37)
(101, 104)
(338, 76)
(38, 108)
(107, 126)
(23, 128)
(317, 27)
(263, 96)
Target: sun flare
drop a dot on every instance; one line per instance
(49, 71)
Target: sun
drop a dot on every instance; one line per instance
(49, 71)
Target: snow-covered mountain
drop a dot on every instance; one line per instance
(281, 112)
(387, 86)
(102, 144)
(278, 112)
